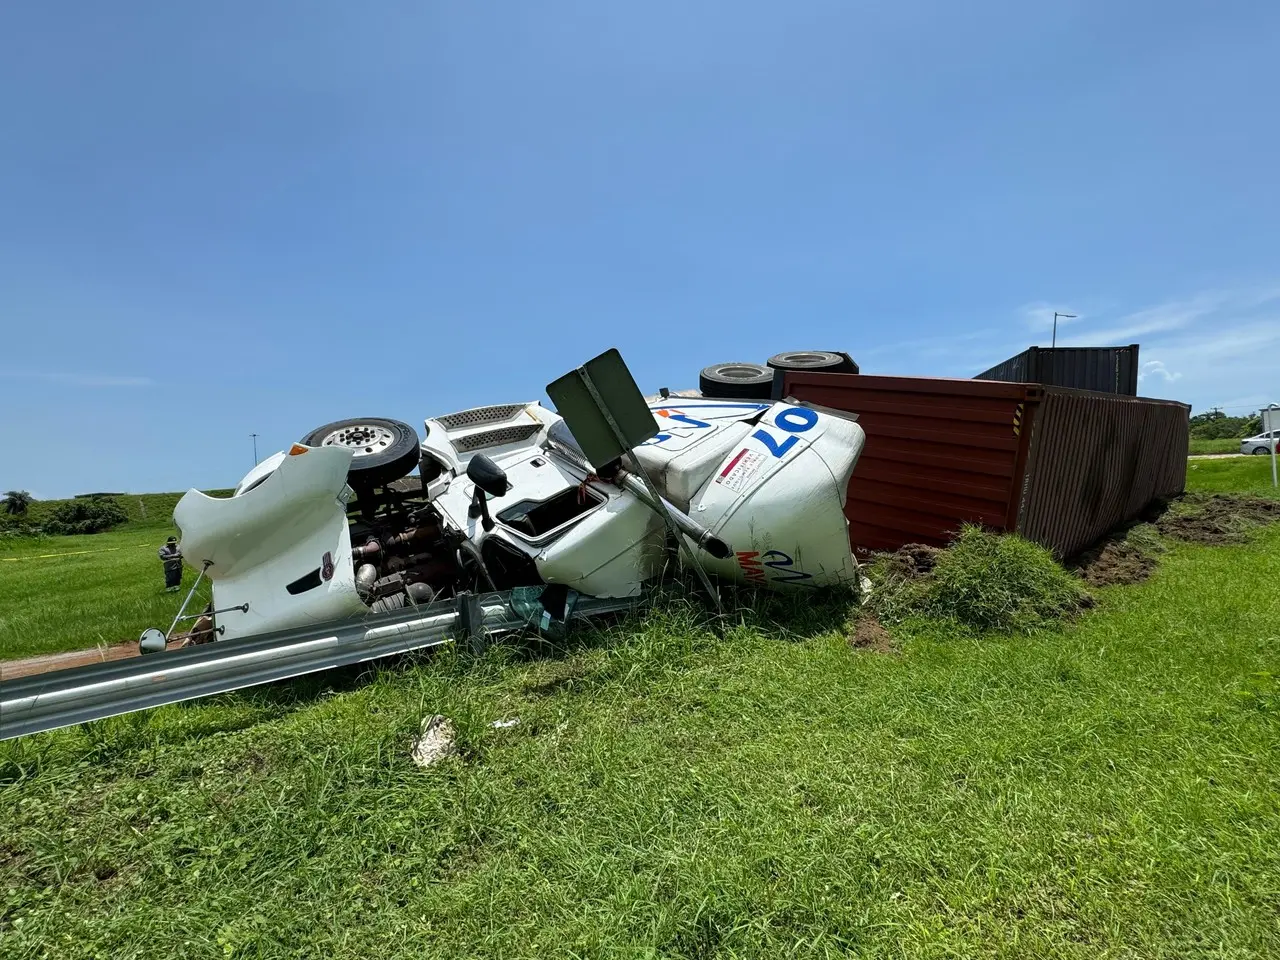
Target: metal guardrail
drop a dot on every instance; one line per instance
(62, 698)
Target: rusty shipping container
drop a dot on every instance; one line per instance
(1106, 369)
(1059, 466)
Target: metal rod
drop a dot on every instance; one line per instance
(682, 545)
(699, 534)
(190, 593)
(242, 608)
(695, 531)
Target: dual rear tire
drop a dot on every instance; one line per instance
(754, 381)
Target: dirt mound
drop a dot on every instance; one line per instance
(1218, 519)
(1113, 561)
(868, 634)
(911, 561)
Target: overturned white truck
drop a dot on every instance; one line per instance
(335, 527)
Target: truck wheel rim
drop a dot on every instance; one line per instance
(738, 371)
(364, 439)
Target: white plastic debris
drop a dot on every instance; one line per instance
(504, 724)
(435, 742)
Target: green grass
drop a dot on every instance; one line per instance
(1232, 475)
(1228, 445)
(68, 593)
(1106, 790)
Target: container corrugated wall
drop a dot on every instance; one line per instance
(1105, 369)
(939, 453)
(1062, 467)
(1096, 462)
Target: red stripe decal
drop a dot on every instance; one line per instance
(734, 462)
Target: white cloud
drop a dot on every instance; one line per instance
(1156, 368)
(78, 379)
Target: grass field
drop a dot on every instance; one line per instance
(1214, 446)
(1108, 789)
(1232, 475)
(68, 593)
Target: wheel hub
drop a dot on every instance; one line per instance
(362, 438)
(738, 372)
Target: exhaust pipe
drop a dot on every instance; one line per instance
(691, 528)
(702, 537)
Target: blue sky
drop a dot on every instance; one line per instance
(225, 218)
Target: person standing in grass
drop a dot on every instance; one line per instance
(171, 556)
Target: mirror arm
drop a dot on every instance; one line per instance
(480, 508)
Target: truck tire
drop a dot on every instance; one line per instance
(748, 381)
(384, 450)
(814, 360)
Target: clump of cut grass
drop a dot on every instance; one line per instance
(984, 581)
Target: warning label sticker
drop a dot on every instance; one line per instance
(738, 472)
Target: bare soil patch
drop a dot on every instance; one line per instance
(1219, 519)
(869, 634)
(911, 561)
(1113, 561)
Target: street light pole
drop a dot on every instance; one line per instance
(255, 448)
(1064, 316)
(1275, 442)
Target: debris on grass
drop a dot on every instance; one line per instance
(435, 742)
(1219, 519)
(984, 580)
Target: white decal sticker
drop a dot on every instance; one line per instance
(739, 471)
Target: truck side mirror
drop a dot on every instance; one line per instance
(487, 475)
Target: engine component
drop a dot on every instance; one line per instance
(388, 604)
(366, 578)
(367, 552)
(386, 586)
(420, 592)
(413, 534)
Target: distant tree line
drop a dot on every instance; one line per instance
(1215, 425)
(92, 514)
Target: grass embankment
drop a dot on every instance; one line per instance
(1108, 789)
(144, 510)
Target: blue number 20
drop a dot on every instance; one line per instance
(793, 420)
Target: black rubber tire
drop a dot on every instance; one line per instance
(379, 467)
(814, 360)
(1261, 452)
(747, 381)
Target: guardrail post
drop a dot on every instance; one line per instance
(471, 623)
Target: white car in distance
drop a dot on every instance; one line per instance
(1262, 444)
